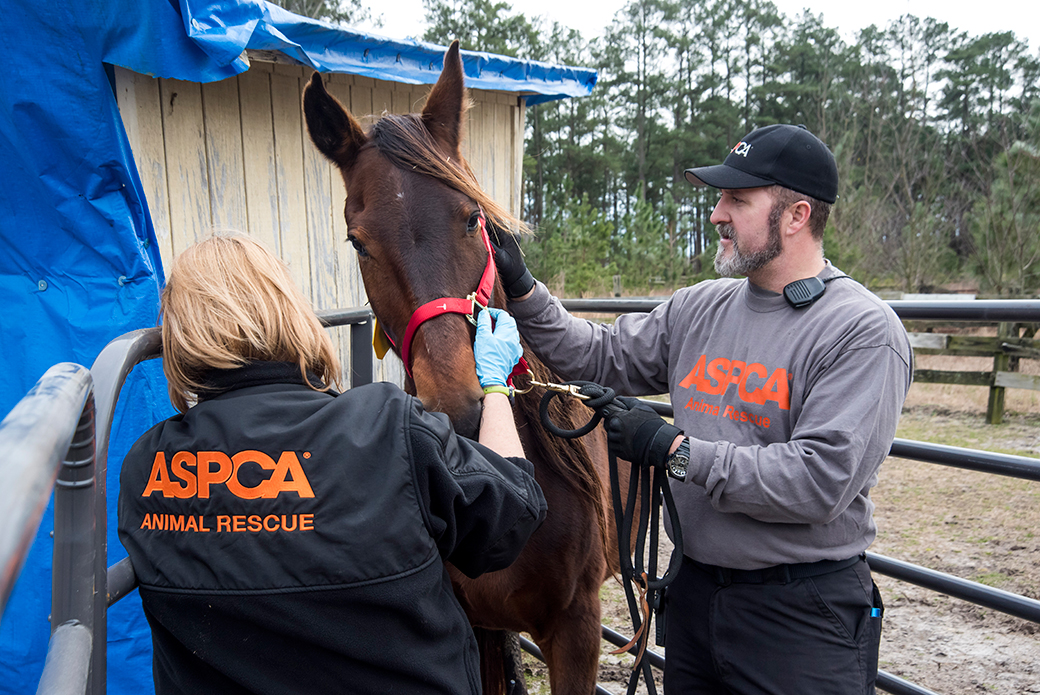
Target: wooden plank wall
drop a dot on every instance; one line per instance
(235, 155)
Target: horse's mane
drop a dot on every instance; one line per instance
(570, 457)
(404, 140)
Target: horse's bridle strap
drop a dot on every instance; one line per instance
(429, 310)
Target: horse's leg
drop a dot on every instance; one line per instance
(571, 648)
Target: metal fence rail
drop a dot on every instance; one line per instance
(970, 459)
(48, 439)
(34, 438)
(67, 668)
(973, 592)
(992, 310)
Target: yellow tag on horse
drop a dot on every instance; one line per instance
(380, 343)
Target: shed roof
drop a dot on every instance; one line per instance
(231, 32)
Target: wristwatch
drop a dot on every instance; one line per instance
(678, 460)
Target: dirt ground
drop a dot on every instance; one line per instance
(981, 527)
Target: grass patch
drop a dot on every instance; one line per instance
(995, 579)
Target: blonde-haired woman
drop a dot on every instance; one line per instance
(291, 539)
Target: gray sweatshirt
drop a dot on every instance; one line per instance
(790, 412)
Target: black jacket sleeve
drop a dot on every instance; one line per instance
(480, 507)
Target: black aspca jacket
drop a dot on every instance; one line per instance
(290, 541)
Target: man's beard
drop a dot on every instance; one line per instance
(740, 263)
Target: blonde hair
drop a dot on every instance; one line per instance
(229, 301)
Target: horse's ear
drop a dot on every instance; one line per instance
(445, 106)
(335, 133)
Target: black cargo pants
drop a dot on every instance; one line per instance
(773, 631)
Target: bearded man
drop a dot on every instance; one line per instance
(787, 378)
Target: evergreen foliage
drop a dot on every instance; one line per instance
(936, 133)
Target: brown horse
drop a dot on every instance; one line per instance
(413, 214)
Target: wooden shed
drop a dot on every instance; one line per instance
(235, 155)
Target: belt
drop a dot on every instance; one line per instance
(781, 574)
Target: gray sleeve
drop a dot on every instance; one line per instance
(843, 434)
(631, 355)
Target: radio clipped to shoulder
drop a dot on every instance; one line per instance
(802, 293)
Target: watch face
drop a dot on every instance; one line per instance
(677, 466)
(679, 460)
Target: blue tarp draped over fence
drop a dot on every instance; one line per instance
(78, 260)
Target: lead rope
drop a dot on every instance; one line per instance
(650, 489)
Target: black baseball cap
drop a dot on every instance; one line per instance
(788, 155)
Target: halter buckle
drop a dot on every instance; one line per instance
(477, 307)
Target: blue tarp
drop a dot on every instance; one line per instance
(78, 260)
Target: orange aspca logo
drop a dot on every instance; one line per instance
(191, 474)
(741, 148)
(753, 381)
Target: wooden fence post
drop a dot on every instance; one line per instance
(1001, 362)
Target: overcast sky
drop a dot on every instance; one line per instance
(404, 18)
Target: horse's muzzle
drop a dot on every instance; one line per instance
(466, 420)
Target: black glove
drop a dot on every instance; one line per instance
(516, 278)
(640, 435)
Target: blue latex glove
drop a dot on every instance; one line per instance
(497, 350)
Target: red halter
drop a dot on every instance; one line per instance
(468, 307)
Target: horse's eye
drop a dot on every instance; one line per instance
(358, 246)
(474, 223)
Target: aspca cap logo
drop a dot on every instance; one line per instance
(191, 475)
(741, 149)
